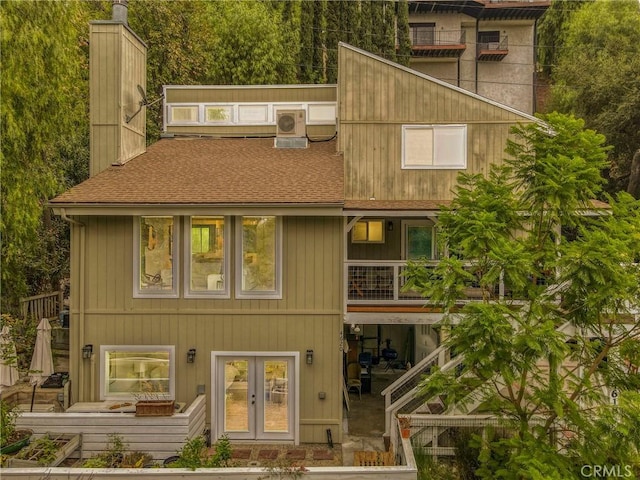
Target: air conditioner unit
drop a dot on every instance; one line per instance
(291, 123)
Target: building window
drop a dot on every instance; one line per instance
(418, 240)
(137, 372)
(422, 33)
(488, 39)
(259, 263)
(434, 146)
(184, 114)
(155, 268)
(368, 231)
(208, 259)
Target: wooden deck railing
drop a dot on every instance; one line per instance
(46, 305)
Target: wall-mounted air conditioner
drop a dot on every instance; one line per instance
(291, 123)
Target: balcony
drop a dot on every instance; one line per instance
(379, 285)
(437, 43)
(491, 51)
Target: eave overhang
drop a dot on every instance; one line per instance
(123, 210)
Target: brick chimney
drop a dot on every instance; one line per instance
(117, 88)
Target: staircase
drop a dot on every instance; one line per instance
(401, 397)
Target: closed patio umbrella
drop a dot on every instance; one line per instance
(42, 360)
(8, 370)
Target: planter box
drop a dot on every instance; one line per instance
(155, 408)
(68, 443)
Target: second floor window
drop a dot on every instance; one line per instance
(208, 263)
(258, 265)
(434, 147)
(155, 270)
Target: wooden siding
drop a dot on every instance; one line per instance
(231, 94)
(309, 315)
(117, 67)
(371, 128)
(161, 437)
(315, 132)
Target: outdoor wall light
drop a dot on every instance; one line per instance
(191, 355)
(87, 351)
(390, 226)
(309, 357)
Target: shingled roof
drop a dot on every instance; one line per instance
(207, 171)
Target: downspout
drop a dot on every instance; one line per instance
(476, 53)
(534, 90)
(73, 353)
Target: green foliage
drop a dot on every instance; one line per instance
(8, 416)
(43, 111)
(524, 355)
(23, 332)
(430, 469)
(603, 38)
(43, 450)
(283, 468)
(110, 458)
(404, 42)
(552, 31)
(195, 454)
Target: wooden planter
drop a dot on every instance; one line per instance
(155, 408)
(68, 443)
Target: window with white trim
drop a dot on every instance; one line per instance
(155, 269)
(434, 146)
(137, 372)
(208, 265)
(259, 264)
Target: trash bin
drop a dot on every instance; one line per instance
(64, 318)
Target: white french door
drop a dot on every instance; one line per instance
(255, 396)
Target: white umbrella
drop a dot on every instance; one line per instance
(8, 370)
(42, 360)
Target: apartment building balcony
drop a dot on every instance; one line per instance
(493, 50)
(428, 42)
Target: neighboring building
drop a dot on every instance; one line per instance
(484, 46)
(241, 254)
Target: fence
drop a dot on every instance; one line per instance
(46, 305)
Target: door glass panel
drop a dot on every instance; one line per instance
(236, 398)
(276, 396)
(419, 241)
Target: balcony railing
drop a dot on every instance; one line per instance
(379, 283)
(438, 43)
(493, 51)
(383, 283)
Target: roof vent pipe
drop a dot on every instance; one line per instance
(119, 11)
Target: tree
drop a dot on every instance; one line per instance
(553, 30)
(404, 42)
(603, 39)
(540, 354)
(43, 121)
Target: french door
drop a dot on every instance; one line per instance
(255, 396)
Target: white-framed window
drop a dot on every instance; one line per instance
(418, 240)
(207, 247)
(137, 372)
(259, 258)
(156, 254)
(184, 114)
(218, 114)
(434, 146)
(368, 231)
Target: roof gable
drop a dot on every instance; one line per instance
(409, 96)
